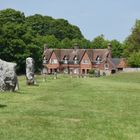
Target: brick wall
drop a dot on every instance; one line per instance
(84, 67)
(53, 66)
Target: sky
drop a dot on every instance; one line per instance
(112, 18)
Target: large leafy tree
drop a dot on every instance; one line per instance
(134, 59)
(66, 43)
(11, 15)
(51, 40)
(12, 46)
(99, 42)
(132, 46)
(60, 28)
(133, 41)
(117, 48)
(21, 37)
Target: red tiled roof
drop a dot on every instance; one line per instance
(47, 53)
(102, 53)
(71, 53)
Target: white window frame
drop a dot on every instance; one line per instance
(54, 61)
(65, 60)
(106, 66)
(98, 59)
(85, 61)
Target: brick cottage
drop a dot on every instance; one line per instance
(80, 61)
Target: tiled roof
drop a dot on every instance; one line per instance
(102, 53)
(116, 61)
(47, 53)
(71, 53)
(119, 62)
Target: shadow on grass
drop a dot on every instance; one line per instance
(35, 85)
(2, 106)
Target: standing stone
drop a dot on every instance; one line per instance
(8, 76)
(30, 80)
(44, 72)
(55, 75)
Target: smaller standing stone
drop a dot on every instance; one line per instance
(30, 80)
(44, 72)
(55, 75)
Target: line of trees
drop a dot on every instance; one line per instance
(21, 37)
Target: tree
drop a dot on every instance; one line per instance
(117, 48)
(66, 43)
(85, 44)
(39, 24)
(51, 40)
(132, 43)
(132, 46)
(60, 28)
(11, 16)
(99, 42)
(134, 59)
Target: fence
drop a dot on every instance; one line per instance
(131, 69)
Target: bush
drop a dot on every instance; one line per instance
(91, 72)
(134, 59)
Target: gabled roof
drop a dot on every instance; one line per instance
(47, 53)
(102, 53)
(116, 61)
(71, 53)
(112, 63)
(119, 62)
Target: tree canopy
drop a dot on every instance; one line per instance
(132, 46)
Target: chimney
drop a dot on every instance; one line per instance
(109, 46)
(76, 46)
(45, 46)
(110, 50)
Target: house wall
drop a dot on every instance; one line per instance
(53, 67)
(122, 64)
(103, 70)
(83, 66)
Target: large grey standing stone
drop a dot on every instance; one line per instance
(8, 76)
(30, 80)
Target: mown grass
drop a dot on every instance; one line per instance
(106, 108)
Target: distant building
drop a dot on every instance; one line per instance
(120, 63)
(80, 61)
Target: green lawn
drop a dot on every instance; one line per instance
(106, 108)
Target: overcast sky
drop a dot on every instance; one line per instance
(113, 18)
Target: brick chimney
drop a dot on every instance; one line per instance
(109, 46)
(76, 46)
(45, 47)
(110, 49)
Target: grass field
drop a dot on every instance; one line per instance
(106, 108)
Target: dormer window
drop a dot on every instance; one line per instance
(75, 60)
(85, 61)
(98, 59)
(65, 60)
(53, 61)
(106, 66)
(44, 60)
